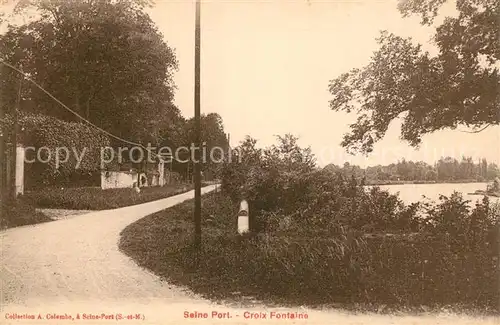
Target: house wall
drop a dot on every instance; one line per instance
(117, 179)
(125, 179)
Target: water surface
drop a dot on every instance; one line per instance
(410, 193)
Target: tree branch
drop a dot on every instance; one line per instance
(477, 131)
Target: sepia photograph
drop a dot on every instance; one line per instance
(249, 162)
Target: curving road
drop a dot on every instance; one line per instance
(57, 271)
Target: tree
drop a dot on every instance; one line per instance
(447, 169)
(484, 168)
(495, 186)
(459, 86)
(289, 156)
(104, 59)
(214, 141)
(403, 169)
(493, 171)
(262, 175)
(431, 175)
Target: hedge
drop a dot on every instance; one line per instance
(45, 134)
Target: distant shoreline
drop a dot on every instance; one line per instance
(378, 183)
(480, 192)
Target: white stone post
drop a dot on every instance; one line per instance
(19, 169)
(161, 171)
(243, 216)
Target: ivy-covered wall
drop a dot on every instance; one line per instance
(58, 152)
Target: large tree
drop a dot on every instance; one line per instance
(105, 59)
(213, 138)
(458, 86)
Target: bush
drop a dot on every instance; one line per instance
(262, 174)
(276, 267)
(316, 201)
(316, 265)
(454, 218)
(51, 133)
(263, 265)
(431, 270)
(281, 182)
(98, 199)
(21, 213)
(319, 238)
(452, 260)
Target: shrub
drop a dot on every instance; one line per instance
(266, 265)
(431, 270)
(316, 201)
(322, 238)
(98, 199)
(279, 266)
(281, 182)
(262, 174)
(319, 265)
(20, 213)
(453, 260)
(51, 133)
(454, 218)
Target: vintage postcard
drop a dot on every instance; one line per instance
(250, 162)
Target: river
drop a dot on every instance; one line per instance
(410, 193)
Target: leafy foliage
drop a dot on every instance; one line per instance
(104, 59)
(108, 62)
(454, 218)
(313, 268)
(283, 186)
(214, 143)
(459, 86)
(213, 140)
(260, 175)
(97, 199)
(322, 238)
(20, 213)
(45, 135)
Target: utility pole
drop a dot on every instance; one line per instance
(3, 163)
(2, 168)
(197, 170)
(170, 171)
(228, 153)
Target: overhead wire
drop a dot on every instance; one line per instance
(75, 113)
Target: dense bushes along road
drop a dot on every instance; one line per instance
(24, 211)
(97, 199)
(320, 239)
(434, 269)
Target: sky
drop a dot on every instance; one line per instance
(266, 65)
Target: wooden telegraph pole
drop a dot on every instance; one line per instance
(197, 170)
(3, 163)
(15, 132)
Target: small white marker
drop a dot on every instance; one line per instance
(243, 217)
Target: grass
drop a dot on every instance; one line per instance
(22, 213)
(414, 274)
(98, 199)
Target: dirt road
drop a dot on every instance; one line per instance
(71, 271)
